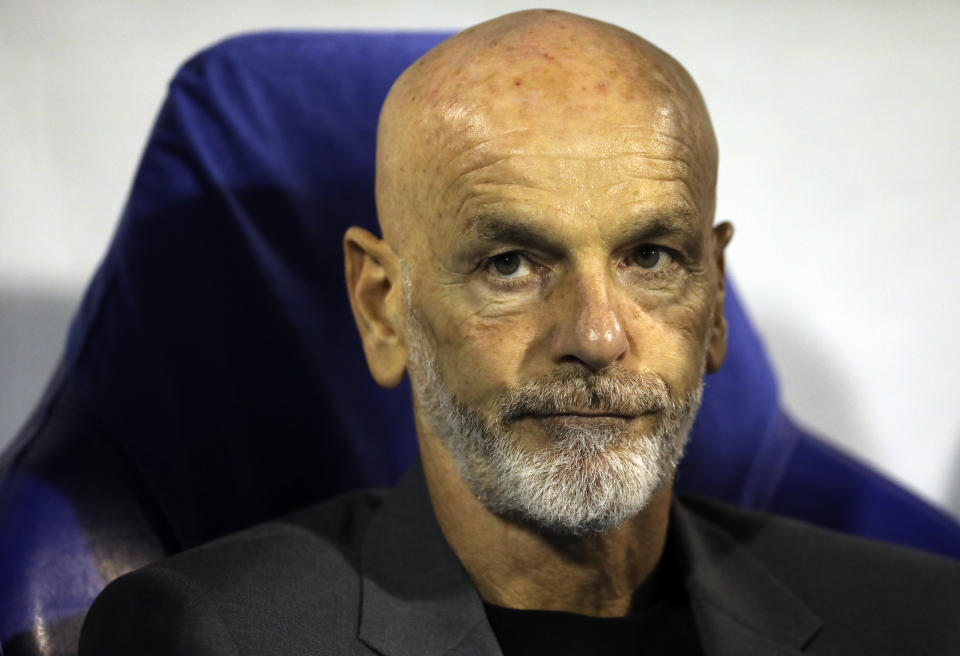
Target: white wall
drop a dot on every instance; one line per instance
(839, 161)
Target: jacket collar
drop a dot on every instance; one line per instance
(417, 599)
(740, 607)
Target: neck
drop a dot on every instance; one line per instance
(517, 566)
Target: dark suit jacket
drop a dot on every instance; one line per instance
(371, 572)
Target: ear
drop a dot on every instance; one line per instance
(376, 298)
(717, 347)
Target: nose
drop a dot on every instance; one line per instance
(589, 330)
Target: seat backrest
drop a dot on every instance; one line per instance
(213, 377)
(216, 342)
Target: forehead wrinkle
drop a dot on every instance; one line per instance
(684, 200)
(484, 142)
(462, 188)
(620, 185)
(678, 167)
(519, 173)
(571, 140)
(468, 188)
(462, 191)
(482, 158)
(483, 199)
(460, 177)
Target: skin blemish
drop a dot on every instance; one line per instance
(601, 87)
(517, 83)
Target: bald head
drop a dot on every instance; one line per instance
(549, 71)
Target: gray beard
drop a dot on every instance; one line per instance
(588, 479)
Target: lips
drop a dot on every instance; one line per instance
(581, 416)
(585, 414)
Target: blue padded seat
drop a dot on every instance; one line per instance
(213, 377)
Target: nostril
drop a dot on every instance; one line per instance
(572, 359)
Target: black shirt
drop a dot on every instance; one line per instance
(661, 622)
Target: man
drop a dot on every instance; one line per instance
(551, 280)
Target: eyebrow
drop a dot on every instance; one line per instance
(645, 226)
(496, 229)
(648, 225)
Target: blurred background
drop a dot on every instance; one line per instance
(840, 155)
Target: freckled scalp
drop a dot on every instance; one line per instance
(527, 70)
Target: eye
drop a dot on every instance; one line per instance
(509, 265)
(650, 256)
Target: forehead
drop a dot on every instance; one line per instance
(536, 120)
(579, 169)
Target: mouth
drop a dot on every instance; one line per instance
(583, 414)
(587, 413)
(586, 417)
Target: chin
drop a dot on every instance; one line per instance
(588, 481)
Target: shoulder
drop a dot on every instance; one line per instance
(324, 538)
(847, 580)
(782, 542)
(235, 587)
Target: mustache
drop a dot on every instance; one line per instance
(615, 392)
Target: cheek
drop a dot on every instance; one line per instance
(670, 339)
(480, 354)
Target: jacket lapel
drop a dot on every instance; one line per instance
(417, 599)
(739, 606)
